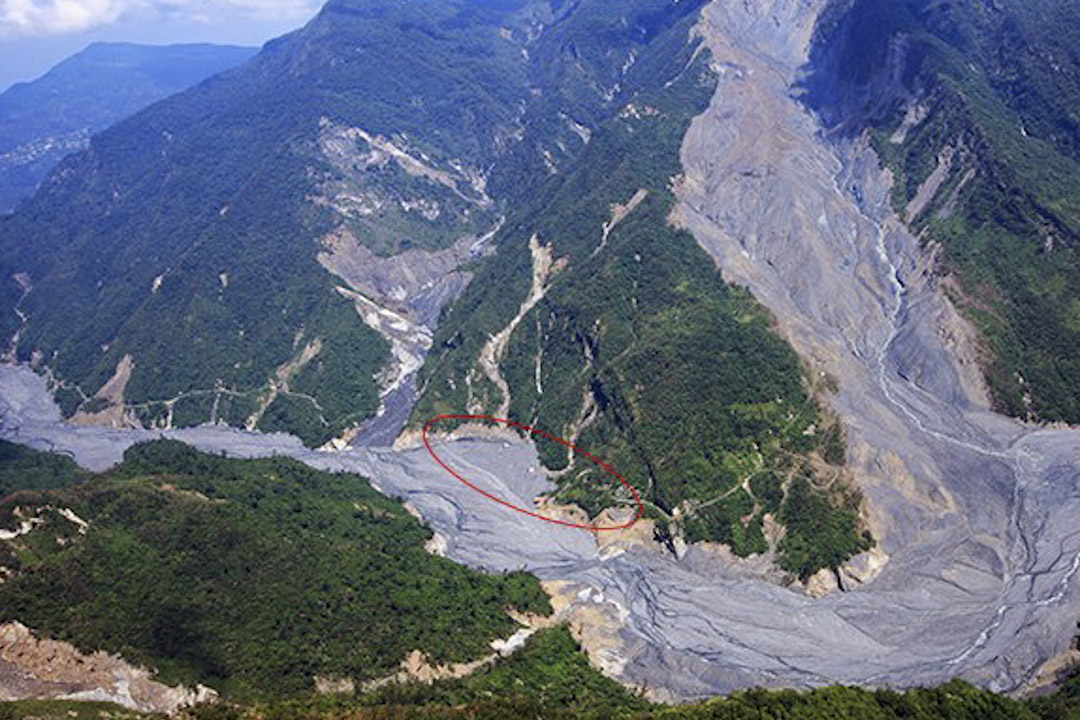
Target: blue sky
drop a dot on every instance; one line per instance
(37, 34)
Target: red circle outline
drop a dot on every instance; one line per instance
(534, 431)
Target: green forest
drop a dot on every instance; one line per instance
(550, 679)
(249, 576)
(24, 469)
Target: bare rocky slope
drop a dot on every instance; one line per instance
(31, 667)
(975, 512)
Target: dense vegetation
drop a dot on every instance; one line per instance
(998, 85)
(692, 394)
(67, 710)
(24, 469)
(819, 533)
(551, 668)
(47, 118)
(550, 679)
(249, 576)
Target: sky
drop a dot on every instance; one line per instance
(37, 34)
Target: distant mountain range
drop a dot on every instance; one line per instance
(43, 120)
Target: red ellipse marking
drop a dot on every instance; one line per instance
(534, 431)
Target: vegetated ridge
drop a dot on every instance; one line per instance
(550, 678)
(252, 577)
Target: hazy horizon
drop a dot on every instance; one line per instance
(30, 45)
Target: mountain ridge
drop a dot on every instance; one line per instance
(818, 394)
(46, 118)
(217, 202)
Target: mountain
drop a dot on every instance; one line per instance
(599, 320)
(191, 273)
(769, 261)
(43, 120)
(291, 245)
(973, 107)
(215, 254)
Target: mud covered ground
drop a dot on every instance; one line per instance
(691, 627)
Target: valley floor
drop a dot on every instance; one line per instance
(684, 628)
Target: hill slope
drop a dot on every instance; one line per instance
(550, 678)
(252, 577)
(974, 109)
(178, 254)
(43, 120)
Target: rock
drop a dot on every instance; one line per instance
(513, 643)
(437, 545)
(334, 686)
(821, 583)
(680, 546)
(35, 668)
(862, 568)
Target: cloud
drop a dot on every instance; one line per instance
(57, 17)
(61, 17)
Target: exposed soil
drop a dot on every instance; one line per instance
(31, 667)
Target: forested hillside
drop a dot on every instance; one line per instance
(550, 678)
(43, 120)
(251, 577)
(973, 107)
(178, 255)
(24, 469)
(603, 324)
(199, 262)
